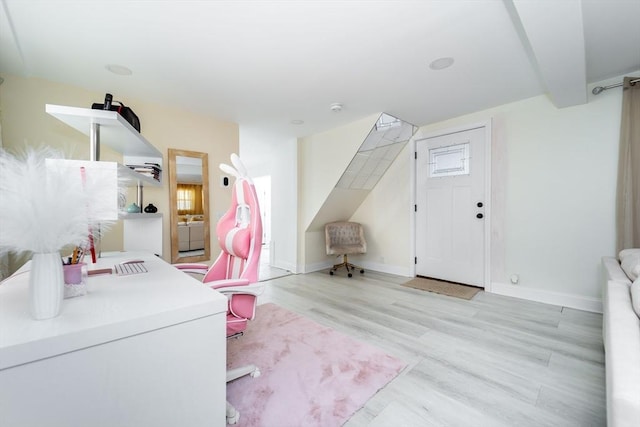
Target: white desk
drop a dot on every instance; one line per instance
(140, 350)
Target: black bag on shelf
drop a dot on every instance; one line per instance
(126, 112)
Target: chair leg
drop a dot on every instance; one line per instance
(234, 374)
(347, 265)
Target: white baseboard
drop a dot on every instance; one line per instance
(285, 266)
(548, 297)
(317, 266)
(387, 268)
(381, 268)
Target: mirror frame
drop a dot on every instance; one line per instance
(173, 202)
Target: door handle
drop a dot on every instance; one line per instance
(479, 216)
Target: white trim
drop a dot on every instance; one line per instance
(488, 129)
(285, 265)
(488, 142)
(412, 211)
(317, 266)
(396, 270)
(548, 297)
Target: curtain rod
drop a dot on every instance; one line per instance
(596, 90)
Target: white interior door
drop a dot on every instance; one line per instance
(450, 207)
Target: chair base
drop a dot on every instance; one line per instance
(347, 265)
(234, 374)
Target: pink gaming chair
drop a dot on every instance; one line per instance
(235, 271)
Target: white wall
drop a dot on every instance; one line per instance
(385, 216)
(277, 159)
(554, 179)
(553, 197)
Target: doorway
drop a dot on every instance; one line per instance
(263, 191)
(452, 206)
(267, 256)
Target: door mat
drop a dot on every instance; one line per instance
(441, 287)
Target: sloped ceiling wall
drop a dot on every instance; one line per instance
(322, 159)
(376, 152)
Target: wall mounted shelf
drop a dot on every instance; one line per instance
(111, 129)
(116, 133)
(129, 215)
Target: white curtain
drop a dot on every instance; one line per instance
(628, 192)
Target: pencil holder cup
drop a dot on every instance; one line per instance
(74, 280)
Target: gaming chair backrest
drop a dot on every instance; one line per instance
(239, 233)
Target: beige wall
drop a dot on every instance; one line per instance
(322, 158)
(25, 123)
(385, 216)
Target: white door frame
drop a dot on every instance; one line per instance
(487, 188)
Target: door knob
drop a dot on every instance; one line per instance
(479, 204)
(479, 216)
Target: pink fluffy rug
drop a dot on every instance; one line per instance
(311, 374)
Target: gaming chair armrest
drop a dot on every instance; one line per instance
(192, 268)
(220, 285)
(254, 289)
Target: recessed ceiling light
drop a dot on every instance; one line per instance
(336, 107)
(441, 63)
(297, 122)
(119, 70)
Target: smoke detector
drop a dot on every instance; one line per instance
(119, 69)
(441, 63)
(336, 108)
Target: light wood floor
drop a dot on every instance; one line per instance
(491, 361)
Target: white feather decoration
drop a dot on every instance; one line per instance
(44, 209)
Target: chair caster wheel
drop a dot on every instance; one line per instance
(233, 416)
(331, 273)
(233, 420)
(350, 275)
(361, 271)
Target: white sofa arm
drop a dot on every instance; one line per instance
(613, 271)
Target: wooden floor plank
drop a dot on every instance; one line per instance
(490, 361)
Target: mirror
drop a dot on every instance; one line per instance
(189, 200)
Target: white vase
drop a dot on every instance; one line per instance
(46, 285)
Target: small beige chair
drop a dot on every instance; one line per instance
(344, 238)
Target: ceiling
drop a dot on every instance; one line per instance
(266, 63)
